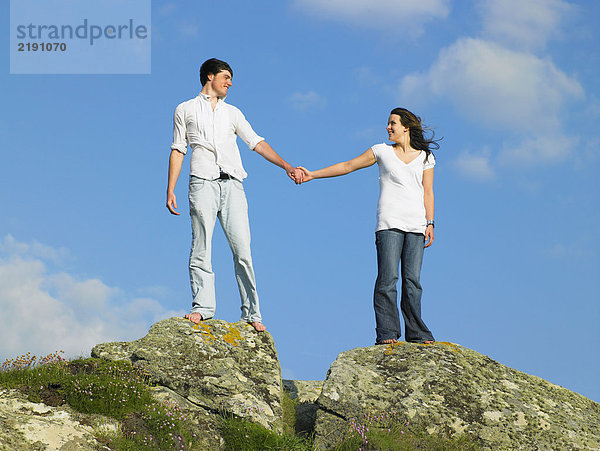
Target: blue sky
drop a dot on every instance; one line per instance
(89, 253)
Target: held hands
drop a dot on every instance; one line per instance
(296, 175)
(301, 175)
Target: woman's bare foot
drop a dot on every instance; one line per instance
(194, 317)
(428, 342)
(260, 327)
(389, 341)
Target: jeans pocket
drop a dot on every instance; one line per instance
(196, 184)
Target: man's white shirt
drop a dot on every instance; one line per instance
(211, 134)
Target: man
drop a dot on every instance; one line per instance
(210, 127)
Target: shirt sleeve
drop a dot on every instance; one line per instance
(376, 151)
(244, 131)
(429, 162)
(179, 131)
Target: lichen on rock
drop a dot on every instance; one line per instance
(216, 365)
(26, 425)
(454, 390)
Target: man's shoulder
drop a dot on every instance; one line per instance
(231, 107)
(187, 103)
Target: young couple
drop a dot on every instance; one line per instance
(209, 126)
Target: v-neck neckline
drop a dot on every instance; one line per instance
(403, 162)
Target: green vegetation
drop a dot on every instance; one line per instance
(389, 431)
(240, 434)
(122, 391)
(114, 389)
(288, 406)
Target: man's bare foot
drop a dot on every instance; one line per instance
(194, 317)
(389, 341)
(260, 327)
(428, 342)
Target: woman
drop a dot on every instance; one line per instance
(404, 221)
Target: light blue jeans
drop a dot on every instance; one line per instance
(226, 200)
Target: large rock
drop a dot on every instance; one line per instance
(201, 422)
(452, 389)
(26, 425)
(216, 365)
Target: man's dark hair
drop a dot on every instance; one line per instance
(213, 66)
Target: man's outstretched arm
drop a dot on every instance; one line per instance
(266, 151)
(175, 162)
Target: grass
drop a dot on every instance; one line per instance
(240, 434)
(391, 431)
(288, 407)
(114, 389)
(122, 391)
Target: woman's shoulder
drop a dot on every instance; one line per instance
(428, 160)
(380, 148)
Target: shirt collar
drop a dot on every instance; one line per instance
(203, 96)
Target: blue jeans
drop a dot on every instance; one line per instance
(225, 200)
(393, 247)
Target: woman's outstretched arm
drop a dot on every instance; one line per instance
(362, 161)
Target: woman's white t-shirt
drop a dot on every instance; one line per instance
(401, 201)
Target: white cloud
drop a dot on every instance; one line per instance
(569, 252)
(523, 24)
(588, 153)
(406, 16)
(9, 245)
(496, 85)
(302, 101)
(513, 92)
(91, 294)
(189, 30)
(44, 311)
(156, 290)
(368, 76)
(167, 9)
(475, 165)
(550, 148)
(592, 110)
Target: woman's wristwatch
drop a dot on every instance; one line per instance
(431, 223)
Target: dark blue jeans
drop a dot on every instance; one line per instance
(396, 247)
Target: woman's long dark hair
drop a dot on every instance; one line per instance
(418, 140)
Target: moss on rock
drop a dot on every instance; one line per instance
(454, 390)
(216, 365)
